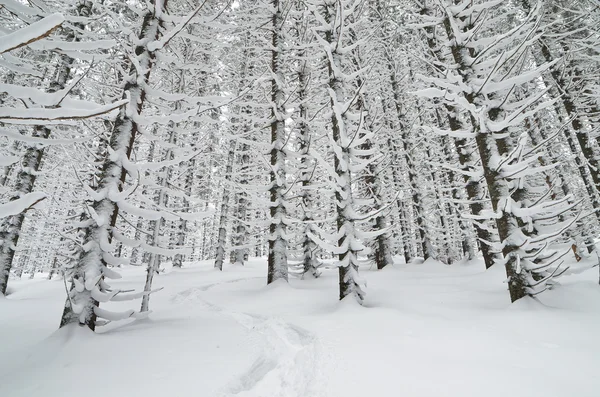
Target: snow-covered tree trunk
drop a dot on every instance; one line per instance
(243, 122)
(89, 288)
(347, 136)
(310, 261)
(184, 224)
(466, 157)
(382, 252)
(239, 253)
(475, 194)
(137, 251)
(161, 200)
(278, 244)
(222, 233)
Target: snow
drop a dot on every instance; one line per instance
(46, 98)
(22, 203)
(158, 12)
(17, 65)
(5, 161)
(426, 329)
(30, 33)
(73, 45)
(37, 114)
(20, 9)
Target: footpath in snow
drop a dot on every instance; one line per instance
(426, 330)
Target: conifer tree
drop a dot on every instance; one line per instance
(484, 82)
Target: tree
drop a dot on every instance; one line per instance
(88, 287)
(278, 244)
(483, 81)
(347, 134)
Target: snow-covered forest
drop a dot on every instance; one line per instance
(185, 176)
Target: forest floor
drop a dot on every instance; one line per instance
(426, 330)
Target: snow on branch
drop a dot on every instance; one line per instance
(18, 8)
(5, 161)
(40, 141)
(74, 45)
(159, 44)
(116, 316)
(22, 204)
(34, 32)
(18, 65)
(36, 116)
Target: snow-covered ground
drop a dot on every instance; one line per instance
(426, 330)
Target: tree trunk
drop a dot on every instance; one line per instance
(222, 234)
(161, 201)
(90, 270)
(310, 261)
(278, 245)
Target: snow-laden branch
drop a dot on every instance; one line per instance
(36, 116)
(39, 141)
(164, 40)
(27, 35)
(22, 204)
